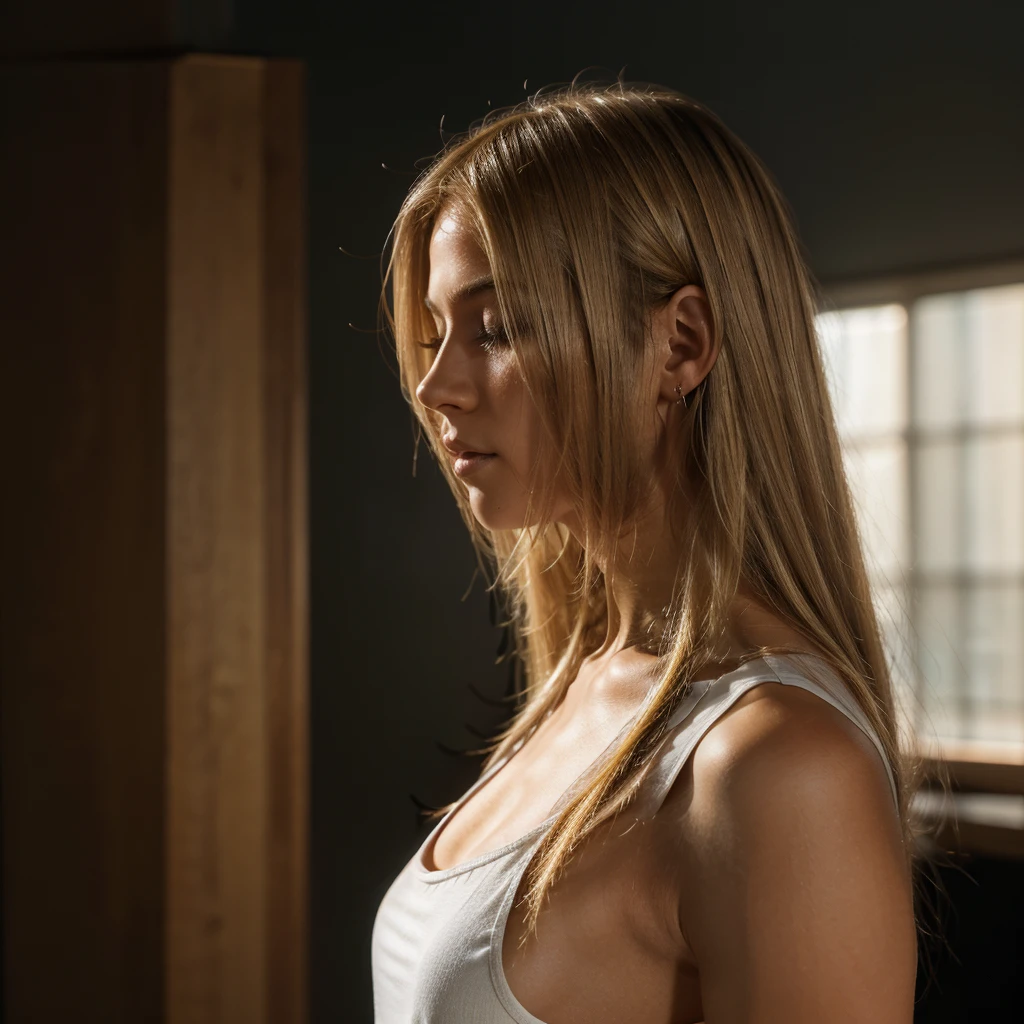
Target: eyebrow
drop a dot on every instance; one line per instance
(467, 291)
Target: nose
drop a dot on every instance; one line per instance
(448, 382)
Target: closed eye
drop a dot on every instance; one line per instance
(489, 338)
(492, 337)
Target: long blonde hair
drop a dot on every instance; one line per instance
(593, 204)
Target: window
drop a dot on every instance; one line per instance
(927, 378)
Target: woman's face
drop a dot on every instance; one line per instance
(474, 383)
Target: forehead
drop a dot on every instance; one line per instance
(460, 293)
(459, 269)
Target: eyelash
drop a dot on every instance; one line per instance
(488, 337)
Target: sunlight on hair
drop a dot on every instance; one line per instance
(593, 204)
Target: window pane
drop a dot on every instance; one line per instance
(969, 358)
(865, 359)
(995, 318)
(994, 656)
(939, 503)
(878, 476)
(994, 503)
(939, 357)
(971, 657)
(971, 505)
(942, 673)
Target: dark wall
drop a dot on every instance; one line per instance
(976, 976)
(896, 131)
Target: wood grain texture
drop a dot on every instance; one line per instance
(154, 600)
(237, 778)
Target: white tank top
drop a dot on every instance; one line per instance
(437, 936)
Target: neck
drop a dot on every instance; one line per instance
(640, 574)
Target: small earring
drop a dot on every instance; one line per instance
(680, 396)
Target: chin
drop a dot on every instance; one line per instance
(494, 513)
(495, 508)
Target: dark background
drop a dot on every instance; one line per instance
(896, 131)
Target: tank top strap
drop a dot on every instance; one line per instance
(708, 700)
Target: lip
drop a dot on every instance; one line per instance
(457, 448)
(469, 462)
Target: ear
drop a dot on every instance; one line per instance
(685, 342)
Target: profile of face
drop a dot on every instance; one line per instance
(474, 382)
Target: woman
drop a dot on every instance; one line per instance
(700, 811)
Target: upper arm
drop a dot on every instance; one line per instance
(797, 905)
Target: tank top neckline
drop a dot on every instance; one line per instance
(442, 874)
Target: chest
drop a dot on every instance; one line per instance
(525, 789)
(608, 947)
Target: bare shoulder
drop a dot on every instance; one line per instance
(776, 720)
(794, 898)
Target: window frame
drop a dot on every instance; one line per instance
(973, 766)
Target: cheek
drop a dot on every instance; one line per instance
(529, 451)
(515, 412)
(522, 428)
(517, 436)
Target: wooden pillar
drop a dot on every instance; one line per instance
(153, 635)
